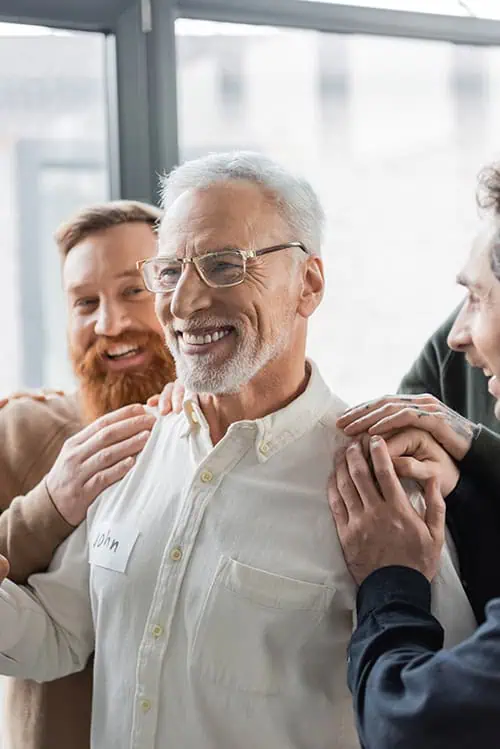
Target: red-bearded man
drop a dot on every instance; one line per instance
(52, 469)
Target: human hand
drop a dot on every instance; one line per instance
(376, 522)
(416, 455)
(170, 399)
(37, 395)
(385, 415)
(95, 458)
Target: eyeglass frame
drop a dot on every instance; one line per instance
(245, 254)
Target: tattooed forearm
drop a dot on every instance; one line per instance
(460, 425)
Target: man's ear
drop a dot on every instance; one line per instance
(313, 286)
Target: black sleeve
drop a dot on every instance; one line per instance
(483, 461)
(428, 373)
(473, 519)
(424, 376)
(409, 693)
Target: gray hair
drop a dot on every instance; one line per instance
(488, 201)
(295, 199)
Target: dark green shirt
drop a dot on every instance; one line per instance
(447, 375)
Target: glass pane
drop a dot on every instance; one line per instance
(479, 8)
(52, 161)
(392, 133)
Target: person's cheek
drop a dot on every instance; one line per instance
(486, 338)
(495, 348)
(479, 337)
(81, 334)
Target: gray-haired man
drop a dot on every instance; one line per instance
(219, 607)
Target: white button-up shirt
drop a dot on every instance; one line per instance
(217, 589)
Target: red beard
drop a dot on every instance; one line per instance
(103, 391)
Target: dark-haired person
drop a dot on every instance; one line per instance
(407, 690)
(58, 454)
(474, 447)
(447, 367)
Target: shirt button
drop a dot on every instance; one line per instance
(206, 477)
(176, 554)
(145, 706)
(264, 448)
(157, 631)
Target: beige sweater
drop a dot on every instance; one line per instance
(55, 715)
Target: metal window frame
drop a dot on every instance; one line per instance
(141, 78)
(33, 156)
(345, 19)
(141, 60)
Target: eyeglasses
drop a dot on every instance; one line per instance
(217, 269)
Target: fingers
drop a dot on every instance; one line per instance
(40, 396)
(337, 504)
(391, 416)
(115, 417)
(407, 442)
(410, 468)
(362, 477)
(165, 402)
(453, 433)
(417, 455)
(171, 398)
(36, 395)
(346, 488)
(435, 513)
(383, 468)
(365, 409)
(117, 434)
(432, 422)
(178, 397)
(114, 453)
(102, 480)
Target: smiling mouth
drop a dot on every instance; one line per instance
(118, 353)
(204, 337)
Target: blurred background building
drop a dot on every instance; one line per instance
(389, 111)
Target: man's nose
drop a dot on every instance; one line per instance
(112, 320)
(191, 295)
(459, 337)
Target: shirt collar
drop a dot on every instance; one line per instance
(274, 431)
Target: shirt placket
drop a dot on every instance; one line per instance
(175, 560)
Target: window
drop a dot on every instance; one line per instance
(391, 132)
(53, 161)
(472, 8)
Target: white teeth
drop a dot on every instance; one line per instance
(198, 340)
(121, 350)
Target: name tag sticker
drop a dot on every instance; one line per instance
(111, 548)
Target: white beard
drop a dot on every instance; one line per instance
(203, 374)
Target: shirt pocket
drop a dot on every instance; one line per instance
(253, 627)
